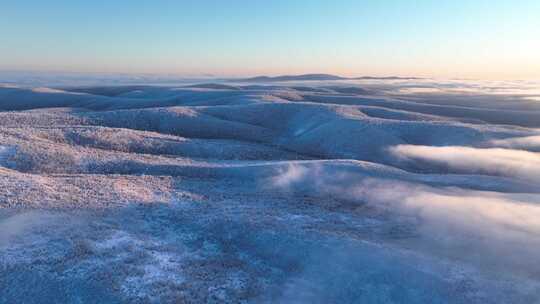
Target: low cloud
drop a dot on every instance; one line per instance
(289, 175)
(16, 225)
(457, 159)
(6, 152)
(530, 143)
(493, 229)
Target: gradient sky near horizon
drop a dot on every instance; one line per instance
(460, 38)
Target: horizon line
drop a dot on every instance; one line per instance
(248, 76)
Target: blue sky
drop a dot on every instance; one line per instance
(461, 38)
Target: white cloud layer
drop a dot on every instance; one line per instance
(491, 161)
(494, 229)
(531, 143)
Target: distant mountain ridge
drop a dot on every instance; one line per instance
(314, 77)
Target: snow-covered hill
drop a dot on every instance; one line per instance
(324, 191)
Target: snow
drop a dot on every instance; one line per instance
(323, 191)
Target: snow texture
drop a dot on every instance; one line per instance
(296, 189)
